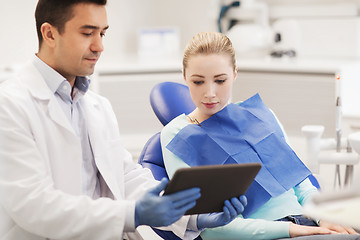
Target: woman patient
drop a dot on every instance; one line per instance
(219, 132)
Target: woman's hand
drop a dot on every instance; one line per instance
(337, 228)
(232, 208)
(296, 230)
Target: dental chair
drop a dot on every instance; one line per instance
(164, 99)
(151, 157)
(170, 99)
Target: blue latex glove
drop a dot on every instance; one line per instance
(231, 210)
(156, 211)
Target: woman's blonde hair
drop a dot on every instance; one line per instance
(208, 43)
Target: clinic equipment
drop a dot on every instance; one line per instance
(324, 151)
(338, 118)
(336, 151)
(248, 28)
(224, 9)
(340, 206)
(338, 124)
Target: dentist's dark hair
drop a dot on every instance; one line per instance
(57, 13)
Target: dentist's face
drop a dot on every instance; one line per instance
(210, 79)
(79, 47)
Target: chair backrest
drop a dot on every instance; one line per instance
(170, 99)
(151, 157)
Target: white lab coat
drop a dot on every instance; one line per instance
(41, 165)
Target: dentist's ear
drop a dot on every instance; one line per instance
(49, 34)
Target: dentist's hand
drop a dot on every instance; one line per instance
(231, 210)
(156, 211)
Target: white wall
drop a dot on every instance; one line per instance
(18, 32)
(126, 18)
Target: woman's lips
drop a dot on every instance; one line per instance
(210, 105)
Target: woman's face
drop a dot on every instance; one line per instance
(210, 79)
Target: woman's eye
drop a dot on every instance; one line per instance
(197, 82)
(220, 81)
(87, 34)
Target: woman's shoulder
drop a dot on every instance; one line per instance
(174, 126)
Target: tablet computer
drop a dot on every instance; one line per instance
(216, 182)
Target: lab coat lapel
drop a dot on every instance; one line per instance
(55, 125)
(103, 154)
(57, 115)
(39, 90)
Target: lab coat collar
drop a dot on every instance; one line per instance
(51, 77)
(38, 88)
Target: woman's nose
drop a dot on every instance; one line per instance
(210, 92)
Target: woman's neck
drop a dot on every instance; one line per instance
(197, 117)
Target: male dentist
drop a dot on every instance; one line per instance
(63, 171)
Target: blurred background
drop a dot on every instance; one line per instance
(300, 55)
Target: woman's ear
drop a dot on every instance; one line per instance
(183, 74)
(185, 79)
(235, 73)
(49, 33)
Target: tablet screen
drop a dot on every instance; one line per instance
(217, 183)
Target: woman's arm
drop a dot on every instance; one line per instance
(304, 191)
(253, 229)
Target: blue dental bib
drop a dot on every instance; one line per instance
(244, 133)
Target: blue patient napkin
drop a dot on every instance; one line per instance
(244, 133)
